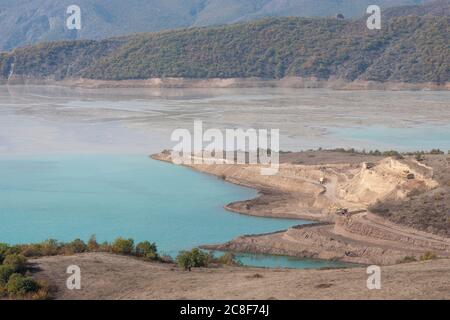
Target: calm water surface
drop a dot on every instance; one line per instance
(68, 197)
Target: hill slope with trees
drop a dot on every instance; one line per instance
(408, 49)
(24, 22)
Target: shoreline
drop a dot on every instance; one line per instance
(362, 237)
(205, 83)
(263, 193)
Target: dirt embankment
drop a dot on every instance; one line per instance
(427, 211)
(315, 186)
(106, 276)
(288, 82)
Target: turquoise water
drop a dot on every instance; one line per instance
(403, 139)
(271, 261)
(68, 197)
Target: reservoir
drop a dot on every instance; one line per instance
(76, 196)
(75, 162)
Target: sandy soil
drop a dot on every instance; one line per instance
(384, 244)
(427, 211)
(349, 180)
(106, 276)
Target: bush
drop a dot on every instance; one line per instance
(428, 256)
(17, 261)
(123, 246)
(4, 248)
(49, 247)
(228, 259)
(31, 250)
(20, 286)
(5, 273)
(195, 258)
(43, 292)
(419, 157)
(147, 250)
(407, 259)
(105, 247)
(76, 246)
(93, 244)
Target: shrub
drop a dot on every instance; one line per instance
(31, 250)
(428, 256)
(228, 259)
(19, 285)
(43, 292)
(5, 273)
(123, 246)
(49, 247)
(407, 259)
(93, 244)
(4, 248)
(17, 261)
(105, 247)
(391, 153)
(147, 250)
(374, 153)
(195, 258)
(76, 246)
(419, 157)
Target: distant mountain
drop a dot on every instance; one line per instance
(439, 8)
(409, 49)
(25, 22)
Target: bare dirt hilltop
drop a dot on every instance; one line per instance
(107, 276)
(360, 199)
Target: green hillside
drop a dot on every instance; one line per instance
(407, 49)
(24, 22)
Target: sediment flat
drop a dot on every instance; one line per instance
(207, 83)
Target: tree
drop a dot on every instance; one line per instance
(123, 246)
(147, 250)
(195, 258)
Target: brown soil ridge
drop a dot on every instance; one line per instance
(107, 276)
(355, 182)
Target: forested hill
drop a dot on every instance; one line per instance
(413, 49)
(24, 22)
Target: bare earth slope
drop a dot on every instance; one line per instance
(106, 276)
(315, 185)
